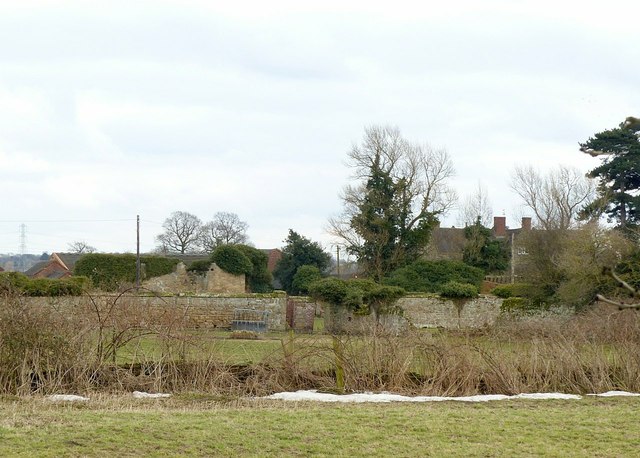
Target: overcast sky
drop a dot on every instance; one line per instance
(145, 108)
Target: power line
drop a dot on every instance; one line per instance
(68, 221)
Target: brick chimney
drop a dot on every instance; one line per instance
(500, 226)
(526, 223)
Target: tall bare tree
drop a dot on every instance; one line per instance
(555, 198)
(80, 247)
(225, 229)
(181, 231)
(474, 206)
(400, 191)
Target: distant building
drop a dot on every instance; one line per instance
(59, 265)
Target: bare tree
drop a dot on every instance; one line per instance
(400, 189)
(225, 229)
(476, 205)
(181, 231)
(80, 247)
(555, 198)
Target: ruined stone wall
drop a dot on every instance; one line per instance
(179, 281)
(219, 281)
(215, 281)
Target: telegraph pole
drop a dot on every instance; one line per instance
(137, 251)
(338, 260)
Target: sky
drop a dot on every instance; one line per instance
(110, 110)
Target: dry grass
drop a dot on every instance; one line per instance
(59, 351)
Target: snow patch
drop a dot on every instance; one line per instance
(610, 394)
(312, 395)
(143, 395)
(546, 396)
(66, 397)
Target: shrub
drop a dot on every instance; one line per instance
(429, 276)
(12, 282)
(304, 277)
(511, 290)
(259, 279)
(361, 296)
(457, 290)
(515, 304)
(200, 267)
(330, 290)
(230, 259)
(17, 283)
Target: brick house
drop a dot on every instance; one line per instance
(59, 265)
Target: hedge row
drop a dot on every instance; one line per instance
(18, 283)
(112, 271)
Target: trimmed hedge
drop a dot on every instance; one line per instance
(457, 290)
(429, 276)
(112, 271)
(18, 283)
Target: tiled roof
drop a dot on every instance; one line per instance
(37, 267)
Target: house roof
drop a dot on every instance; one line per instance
(446, 242)
(37, 267)
(68, 260)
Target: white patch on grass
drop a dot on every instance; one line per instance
(312, 395)
(143, 395)
(67, 397)
(610, 394)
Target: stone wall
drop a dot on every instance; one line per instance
(219, 281)
(217, 311)
(179, 281)
(201, 312)
(421, 312)
(215, 281)
(435, 311)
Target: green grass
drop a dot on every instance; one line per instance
(198, 426)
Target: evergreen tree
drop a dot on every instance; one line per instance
(401, 192)
(618, 175)
(299, 251)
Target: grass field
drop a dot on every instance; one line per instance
(194, 425)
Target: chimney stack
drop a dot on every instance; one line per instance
(500, 226)
(526, 223)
